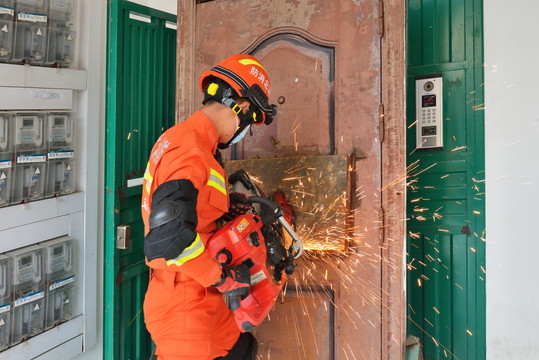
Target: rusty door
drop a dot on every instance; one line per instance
(323, 59)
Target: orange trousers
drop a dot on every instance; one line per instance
(186, 320)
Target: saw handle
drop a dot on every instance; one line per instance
(297, 246)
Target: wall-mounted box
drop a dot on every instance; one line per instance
(30, 40)
(62, 32)
(5, 137)
(27, 132)
(60, 173)
(28, 292)
(60, 275)
(29, 178)
(60, 130)
(6, 182)
(6, 265)
(7, 14)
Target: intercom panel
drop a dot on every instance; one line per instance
(429, 112)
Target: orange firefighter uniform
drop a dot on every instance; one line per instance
(186, 317)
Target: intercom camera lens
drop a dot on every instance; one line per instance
(428, 86)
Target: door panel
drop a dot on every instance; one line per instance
(446, 248)
(323, 59)
(306, 120)
(140, 104)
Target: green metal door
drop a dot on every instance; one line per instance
(141, 82)
(446, 210)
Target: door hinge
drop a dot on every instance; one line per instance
(381, 18)
(381, 122)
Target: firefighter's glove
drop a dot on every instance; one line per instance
(239, 205)
(235, 280)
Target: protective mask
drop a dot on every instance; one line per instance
(240, 136)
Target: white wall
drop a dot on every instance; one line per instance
(170, 6)
(92, 58)
(512, 178)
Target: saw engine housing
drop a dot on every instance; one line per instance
(242, 241)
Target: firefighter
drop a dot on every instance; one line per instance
(184, 194)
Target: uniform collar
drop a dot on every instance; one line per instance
(205, 130)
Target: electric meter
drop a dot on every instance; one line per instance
(6, 182)
(62, 34)
(5, 124)
(60, 130)
(28, 292)
(60, 280)
(28, 132)
(30, 34)
(7, 13)
(5, 301)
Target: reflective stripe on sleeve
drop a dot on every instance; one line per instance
(217, 181)
(148, 178)
(189, 253)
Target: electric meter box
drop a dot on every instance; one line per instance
(6, 181)
(60, 278)
(28, 292)
(6, 265)
(27, 132)
(30, 35)
(7, 14)
(60, 131)
(29, 178)
(60, 173)
(62, 32)
(5, 126)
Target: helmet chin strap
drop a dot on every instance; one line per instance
(223, 93)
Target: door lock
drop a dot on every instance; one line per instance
(123, 237)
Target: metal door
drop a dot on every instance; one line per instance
(140, 104)
(323, 59)
(446, 244)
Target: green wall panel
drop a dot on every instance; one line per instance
(446, 247)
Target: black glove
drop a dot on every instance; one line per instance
(239, 205)
(235, 283)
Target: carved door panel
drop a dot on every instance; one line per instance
(323, 59)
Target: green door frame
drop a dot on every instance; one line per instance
(141, 83)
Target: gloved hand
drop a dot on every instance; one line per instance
(235, 280)
(239, 205)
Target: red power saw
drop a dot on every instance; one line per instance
(256, 239)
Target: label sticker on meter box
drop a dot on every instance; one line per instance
(62, 154)
(25, 159)
(60, 283)
(29, 298)
(5, 308)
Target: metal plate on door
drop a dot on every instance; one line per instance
(123, 236)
